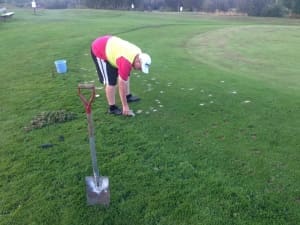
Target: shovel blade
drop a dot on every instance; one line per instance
(97, 194)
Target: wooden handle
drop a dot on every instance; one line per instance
(87, 103)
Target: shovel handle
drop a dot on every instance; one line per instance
(88, 109)
(87, 103)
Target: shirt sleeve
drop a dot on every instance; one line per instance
(124, 68)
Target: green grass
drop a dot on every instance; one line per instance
(257, 50)
(222, 146)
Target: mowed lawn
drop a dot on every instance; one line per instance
(215, 139)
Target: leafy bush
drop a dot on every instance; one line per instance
(56, 4)
(274, 10)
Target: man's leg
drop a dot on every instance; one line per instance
(106, 76)
(129, 96)
(110, 91)
(110, 94)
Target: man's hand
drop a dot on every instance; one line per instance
(127, 111)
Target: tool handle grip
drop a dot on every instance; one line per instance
(87, 103)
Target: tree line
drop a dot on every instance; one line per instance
(275, 8)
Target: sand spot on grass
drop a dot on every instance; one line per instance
(246, 101)
(221, 138)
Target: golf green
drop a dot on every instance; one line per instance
(255, 51)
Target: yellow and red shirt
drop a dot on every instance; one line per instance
(118, 52)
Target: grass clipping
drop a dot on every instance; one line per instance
(47, 118)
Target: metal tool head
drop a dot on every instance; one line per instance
(97, 190)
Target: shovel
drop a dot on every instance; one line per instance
(97, 187)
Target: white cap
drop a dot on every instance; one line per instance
(145, 60)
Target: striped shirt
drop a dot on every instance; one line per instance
(119, 53)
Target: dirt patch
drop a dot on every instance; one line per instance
(44, 119)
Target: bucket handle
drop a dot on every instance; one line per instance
(87, 103)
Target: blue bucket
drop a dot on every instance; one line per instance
(61, 66)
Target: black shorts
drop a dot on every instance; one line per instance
(107, 73)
